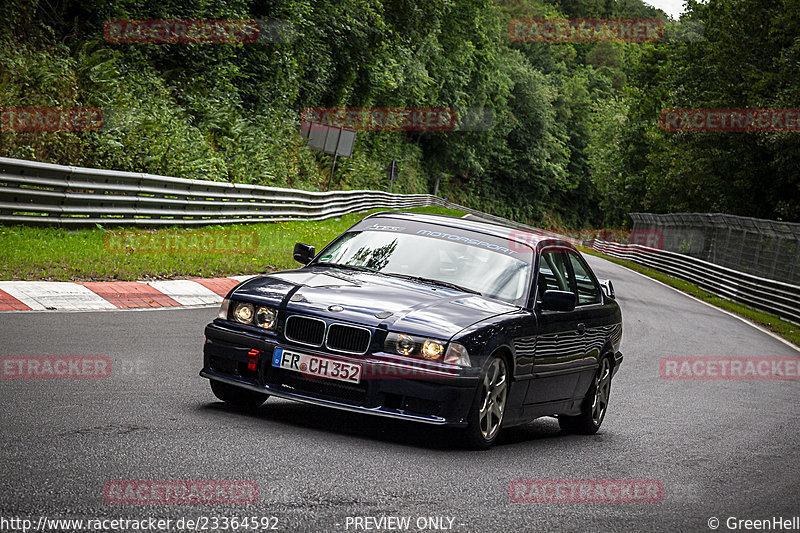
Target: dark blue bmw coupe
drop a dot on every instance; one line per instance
(428, 318)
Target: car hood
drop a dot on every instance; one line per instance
(373, 299)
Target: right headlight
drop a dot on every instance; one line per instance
(267, 317)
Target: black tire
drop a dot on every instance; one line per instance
(237, 397)
(488, 408)
(595, 404)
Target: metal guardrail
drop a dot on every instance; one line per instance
(776, 297)
(765, 248)
(42, 193)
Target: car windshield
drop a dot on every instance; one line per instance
(473, 268)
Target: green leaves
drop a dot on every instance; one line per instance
(574, 137)
(747, 58)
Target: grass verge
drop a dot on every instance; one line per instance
(787, 330)
(88, 254)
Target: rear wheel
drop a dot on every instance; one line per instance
(593, 409)
(489, 406)
(237, 397)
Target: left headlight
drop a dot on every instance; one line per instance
(247, 313)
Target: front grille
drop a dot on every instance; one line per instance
(304, 330)
(350, 339)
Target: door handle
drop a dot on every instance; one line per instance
(581, 328)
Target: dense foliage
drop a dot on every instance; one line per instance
(747, 55)
(574, 139)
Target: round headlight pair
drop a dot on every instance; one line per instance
(403, 344)
(264, 317)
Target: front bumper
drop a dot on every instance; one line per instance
(402, 392)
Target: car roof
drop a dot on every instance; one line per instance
(537, 241)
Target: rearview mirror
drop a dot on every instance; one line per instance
(303, 253)
(558, 301)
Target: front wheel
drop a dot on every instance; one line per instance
(489, 406)
(237, 397)
(593, 410)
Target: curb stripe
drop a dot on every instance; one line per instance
(186, 292)
(112, 295)
(219, 286)
(130, 294)
(41, 295)
(9, 303)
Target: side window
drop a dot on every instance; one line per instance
(553, 273)
(588, 290)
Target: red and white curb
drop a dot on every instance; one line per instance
(108, 295)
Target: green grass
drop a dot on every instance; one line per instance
(59, 254)
(787, 330)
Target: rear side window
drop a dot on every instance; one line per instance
(588, 291)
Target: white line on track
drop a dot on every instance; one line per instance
(734, 315)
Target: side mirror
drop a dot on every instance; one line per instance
(608, 288)
(303, 253)
(559, 301)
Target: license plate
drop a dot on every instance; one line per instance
(316, 366)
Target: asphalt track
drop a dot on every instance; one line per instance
(720, 448)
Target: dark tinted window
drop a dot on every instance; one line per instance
(588, 291)
(553, 273)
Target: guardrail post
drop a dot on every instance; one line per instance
(794, 262)
(775, 257)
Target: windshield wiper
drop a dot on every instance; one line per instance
(348, 267)
(434, 282)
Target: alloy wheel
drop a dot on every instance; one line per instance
(602, 388)
(493, 398)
